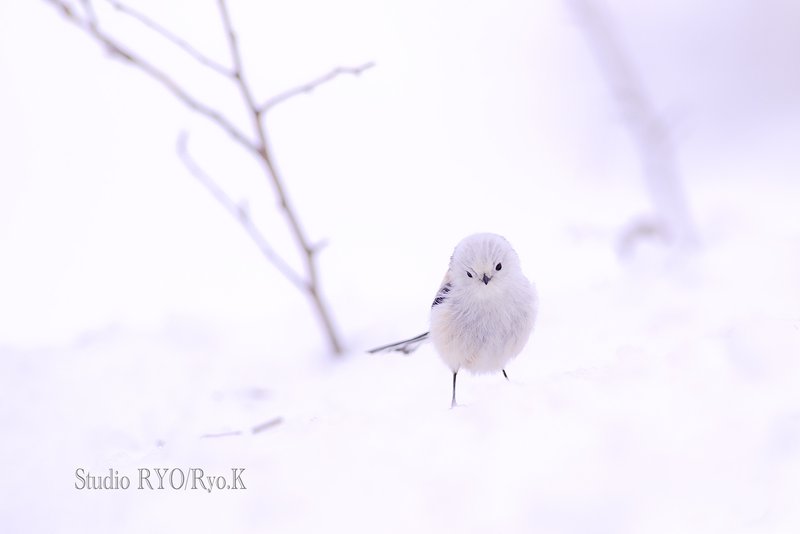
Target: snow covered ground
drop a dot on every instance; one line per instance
(140, 329)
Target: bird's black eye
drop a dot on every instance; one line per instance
(498, 266)
(469, 274)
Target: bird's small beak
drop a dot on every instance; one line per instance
(486, 279)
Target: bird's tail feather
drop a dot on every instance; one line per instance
(406, 347)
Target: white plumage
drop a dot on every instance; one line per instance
(484, 311)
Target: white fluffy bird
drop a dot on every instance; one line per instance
(484, 311)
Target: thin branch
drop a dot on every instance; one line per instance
(91, 16)
(90, 26)
(259, 147)
(266, 425)
(263, 150)
(238, 77)
(171, 37)
(257, 429)
(233, 43)
(239, 212)
(222, 434)
(313, 84)
(66, 10)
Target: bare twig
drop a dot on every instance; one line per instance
(266, 425)
(174, 39)
(258, 145)
(90, 26)
(648, 129)
(310, 86)
(233, 42)
(239, 213)
(230, 434)
(91, 16)
(265, 153)
(257, 429)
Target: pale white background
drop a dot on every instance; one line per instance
(658, 394)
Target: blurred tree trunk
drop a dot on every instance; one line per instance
(672, 221)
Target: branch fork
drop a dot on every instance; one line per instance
(256, 143)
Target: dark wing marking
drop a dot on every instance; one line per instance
(406, 347)
(440, 296)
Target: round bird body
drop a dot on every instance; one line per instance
(484, 311)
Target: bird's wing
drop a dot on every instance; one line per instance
(444, 289)
(406, 347)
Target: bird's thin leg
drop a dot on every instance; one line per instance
(453, 402)
(504, 374)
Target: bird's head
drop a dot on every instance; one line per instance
(483, 261)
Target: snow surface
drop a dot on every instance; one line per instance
(140, 329)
